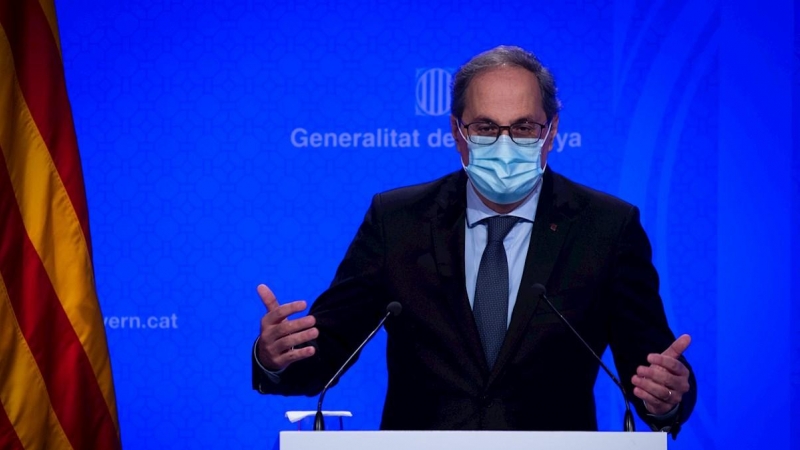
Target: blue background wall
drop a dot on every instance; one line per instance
(185, 111)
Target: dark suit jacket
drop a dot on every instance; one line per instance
(587, 248)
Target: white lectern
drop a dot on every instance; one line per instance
(470, 440)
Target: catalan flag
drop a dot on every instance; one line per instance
(56, 389)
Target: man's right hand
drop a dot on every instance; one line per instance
(279, 335)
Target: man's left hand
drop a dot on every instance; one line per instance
(662, 384)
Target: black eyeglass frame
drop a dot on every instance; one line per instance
(500, 129)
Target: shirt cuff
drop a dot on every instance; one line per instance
(272, 375)
(659, 417)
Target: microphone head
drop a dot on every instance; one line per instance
(538, 290)
(394, 308)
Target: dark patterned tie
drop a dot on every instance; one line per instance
(491, 288)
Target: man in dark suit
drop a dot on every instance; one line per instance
(475, 347)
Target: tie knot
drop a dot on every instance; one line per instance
(499, 227)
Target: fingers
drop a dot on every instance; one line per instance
(655, 393)
(288, 343)
(662, 377)
(668, 364)
(662, 385)
(654, 404)
(267, 297)
(295, 355)
(280, 313)
(271, 331)
(678, 347)
(282, 360)
(677, 384)
(276, 354)
(279, 336)
(274, 336)
(275, 311)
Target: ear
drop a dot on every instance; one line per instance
(461, 144)
(458, 136)
(454, 130)
(548, 144)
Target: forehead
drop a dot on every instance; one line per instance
(503, 95)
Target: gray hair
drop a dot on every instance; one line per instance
(499, 57)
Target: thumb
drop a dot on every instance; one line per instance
(267, 297)
(678, 347)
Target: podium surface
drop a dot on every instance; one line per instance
(471, 440)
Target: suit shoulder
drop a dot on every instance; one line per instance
(585, 197)
(419, 195)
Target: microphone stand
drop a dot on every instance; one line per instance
(393, 309)
(629, 424)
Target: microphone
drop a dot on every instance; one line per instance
(629, 424)
(392, 309)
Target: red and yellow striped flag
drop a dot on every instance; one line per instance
(56, 389)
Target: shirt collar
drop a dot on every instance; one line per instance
(477, 210)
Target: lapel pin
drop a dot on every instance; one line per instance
(553, 227)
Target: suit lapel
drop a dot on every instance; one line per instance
(550, 228)
(447, 234)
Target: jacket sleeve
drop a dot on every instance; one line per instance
(638, 323)
(345, 313)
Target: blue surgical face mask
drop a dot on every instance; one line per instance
(505, 172)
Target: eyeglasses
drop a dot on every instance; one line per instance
(487, 133)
